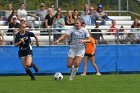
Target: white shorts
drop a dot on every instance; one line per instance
(76, 52)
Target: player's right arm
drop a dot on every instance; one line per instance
(61, 38)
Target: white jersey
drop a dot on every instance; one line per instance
(76, 36)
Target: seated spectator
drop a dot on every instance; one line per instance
(75, 14)
(58, 22)
(97, 36)
(1, 39)
(14, 13)
(49, 18)
(41, 12)
(93, 16)
(102, 16)
(53, 9)
(113, 28)
(86, 18)
(135, 29)
(8, 12)
(68, 18)
(21, 12)
(13, 26)
(83, 24)
(59, 11)
(121, 34)
(86, 7)
(0, 15)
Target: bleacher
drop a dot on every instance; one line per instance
(124, 21)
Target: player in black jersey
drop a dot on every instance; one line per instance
(23, 41)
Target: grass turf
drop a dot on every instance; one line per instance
(121, 83)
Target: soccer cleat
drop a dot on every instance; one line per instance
(98, 73)
(83, 74)
(70, 78)
(35, 68)
(32, 78)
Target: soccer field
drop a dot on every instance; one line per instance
(121, 83)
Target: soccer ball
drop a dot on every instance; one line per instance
(58, 76)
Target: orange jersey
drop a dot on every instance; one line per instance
(90, 46)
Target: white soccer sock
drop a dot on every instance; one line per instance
(73, 72)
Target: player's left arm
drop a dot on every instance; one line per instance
(37, 41)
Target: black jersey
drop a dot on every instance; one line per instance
(27, 40)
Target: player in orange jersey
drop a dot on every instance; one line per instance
(89, 54)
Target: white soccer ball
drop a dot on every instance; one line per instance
(58, 76)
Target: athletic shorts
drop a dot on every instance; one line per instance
(76, 52)
(23, 53)
(89, 55)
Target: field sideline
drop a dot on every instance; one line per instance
(120, 83)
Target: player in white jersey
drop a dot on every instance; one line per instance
(77, 46)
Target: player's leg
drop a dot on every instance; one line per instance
(70, 63)
(94, 65)
(28, 71)
(85, 65)
(28, 61)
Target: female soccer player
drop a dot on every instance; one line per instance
(89, 54)
(77, 46)
(23, 40)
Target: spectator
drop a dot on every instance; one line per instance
(1, 38)
(49, 18)
(59, 11)
(86, 18)
(41, 12)
(97, 36)
(68, 18)
(0, 15)
(58, 22)
(53, 9)
(8, 12)
(113, 28)
(13, 25)
(93, 16)
(86, 7)
(14, 13)
(135, 29)
(21, 12)
(121, 33)
(102, 16)
(75, 14)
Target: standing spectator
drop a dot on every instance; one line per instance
(8, 12)
(23, 41)
(77, 46)
(97, 36)
(89, 54)
(49, 18)
(68, 18)
(75, 14)
(58, 22)
(86, 18)
(21, 12)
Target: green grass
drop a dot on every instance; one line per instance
(122, 83)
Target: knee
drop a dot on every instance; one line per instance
(76, 65)
(69, 66)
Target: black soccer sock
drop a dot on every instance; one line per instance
(32, 65)
(28, 71)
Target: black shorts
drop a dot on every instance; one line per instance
(89, 55)
(23, 53)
